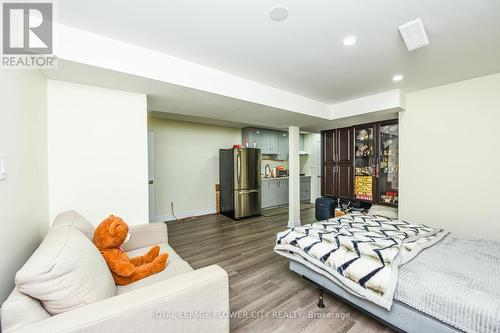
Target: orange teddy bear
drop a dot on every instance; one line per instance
(109, 237)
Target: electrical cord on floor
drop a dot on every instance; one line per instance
(185, 219)
(172, 210)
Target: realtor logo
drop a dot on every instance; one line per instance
(27, 34)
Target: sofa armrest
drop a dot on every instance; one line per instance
(146, 235)
(197, 301)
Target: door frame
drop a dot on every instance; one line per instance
(151, 177)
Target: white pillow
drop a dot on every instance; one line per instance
(75, 220)
(66, 272)
(20, 310)
(385, 211)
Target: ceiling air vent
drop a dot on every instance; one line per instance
(414, 34)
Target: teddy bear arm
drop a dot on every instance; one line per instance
(123, 268)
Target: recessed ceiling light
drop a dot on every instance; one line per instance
(278, 13)
(349, 41)
(397, 78)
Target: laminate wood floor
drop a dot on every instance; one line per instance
(261, 287)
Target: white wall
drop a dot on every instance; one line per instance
(187, 165)
(449, 157)
(23, 195)
(97, 152)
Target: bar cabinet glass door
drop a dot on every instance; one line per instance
(388, 164)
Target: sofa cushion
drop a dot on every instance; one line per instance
(20, 310)
(75, 220)
(66, 272)
(176, 266)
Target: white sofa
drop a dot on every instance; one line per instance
(66, 287)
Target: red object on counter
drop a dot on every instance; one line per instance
(237, 146)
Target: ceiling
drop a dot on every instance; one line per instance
(170, 101)
(303, 53)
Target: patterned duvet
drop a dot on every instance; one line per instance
(361, 253)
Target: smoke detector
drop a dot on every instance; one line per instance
(278, 13)
(414, 34)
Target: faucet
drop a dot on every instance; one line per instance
(266, 168)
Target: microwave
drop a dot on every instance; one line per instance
(281, 173)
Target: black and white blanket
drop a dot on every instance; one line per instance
(361, 253)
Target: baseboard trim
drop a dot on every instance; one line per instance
(181, 215)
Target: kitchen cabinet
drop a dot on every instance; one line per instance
(282, 191)
(305, 189)
(283, 146)
(270, 142)
(265, 140)
(266, 194)
(275, 191)
(273, 142)
(361, 162)
(260, 137)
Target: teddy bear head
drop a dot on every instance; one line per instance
(111, 233)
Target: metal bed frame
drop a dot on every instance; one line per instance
(401, 318)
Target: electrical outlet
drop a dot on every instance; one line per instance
(3, 167)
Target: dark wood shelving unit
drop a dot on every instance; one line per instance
(352, 160)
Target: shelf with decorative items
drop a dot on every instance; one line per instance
(388, 178)
(364, 162)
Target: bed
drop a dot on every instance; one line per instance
(447, 284)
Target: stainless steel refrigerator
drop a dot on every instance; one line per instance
(240, 194)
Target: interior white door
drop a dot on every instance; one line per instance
(151, 177)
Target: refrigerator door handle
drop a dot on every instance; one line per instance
(238, 167)
(249, 191)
